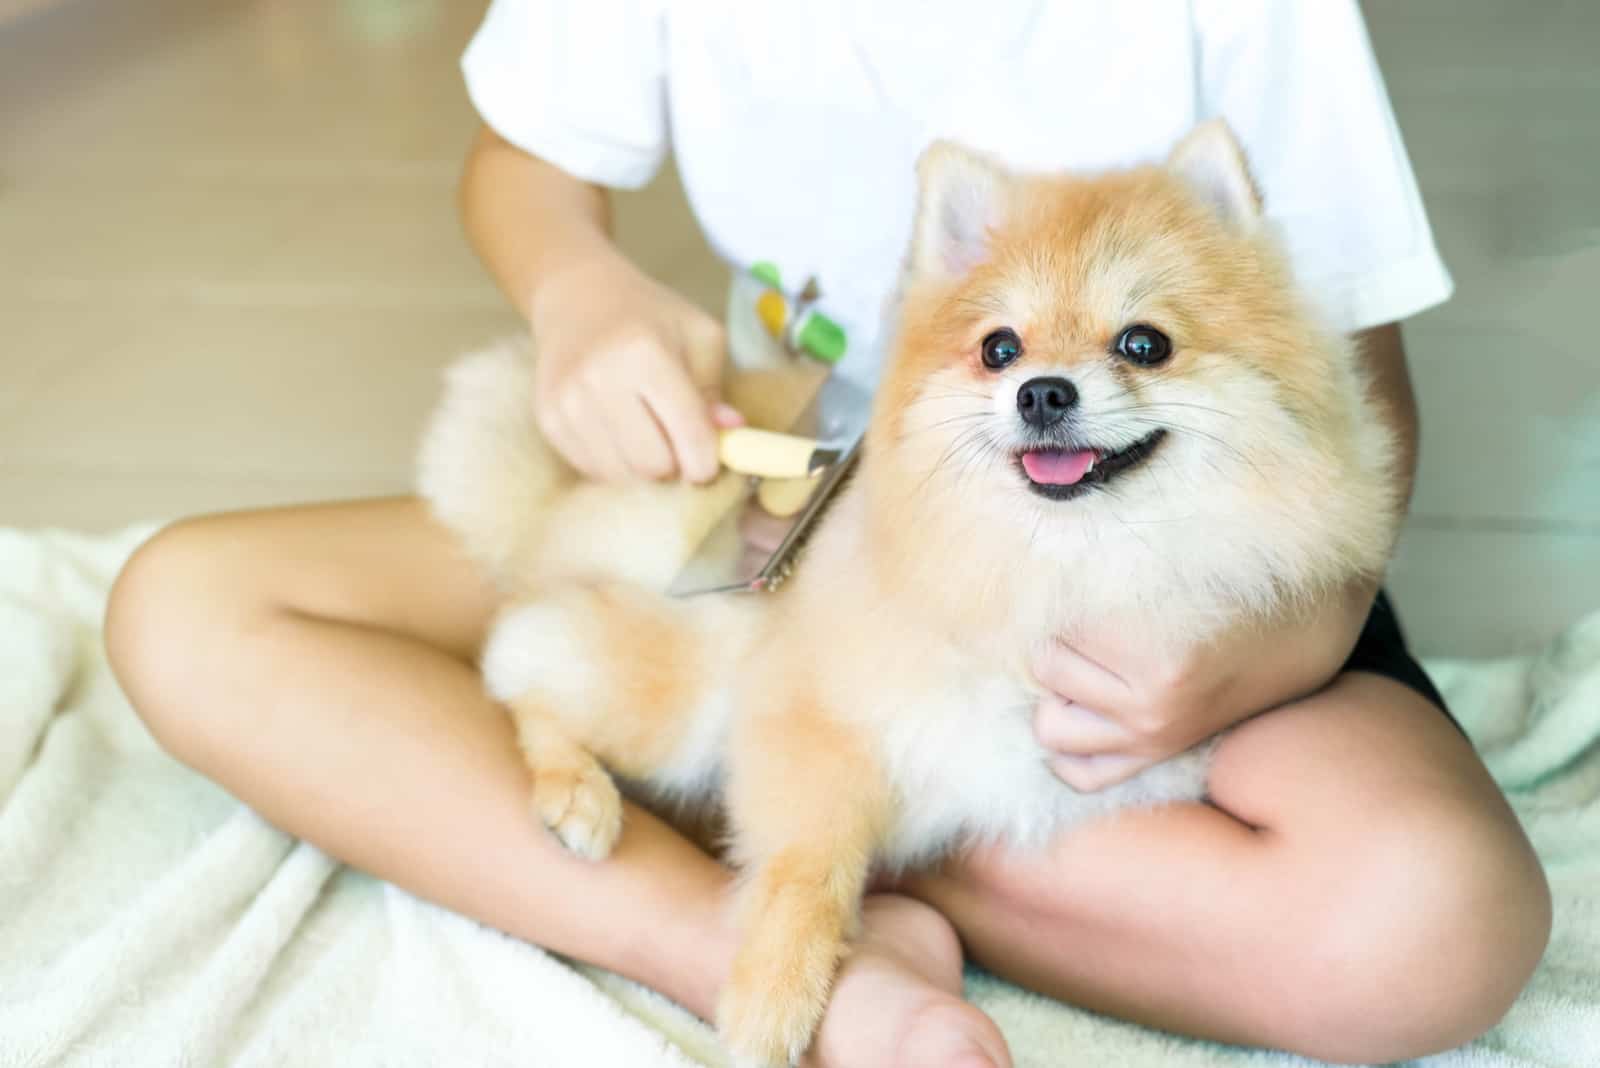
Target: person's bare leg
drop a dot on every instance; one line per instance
(317, 662)
(1361, 891)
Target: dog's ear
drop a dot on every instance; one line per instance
(1212, 162)
(961, 198)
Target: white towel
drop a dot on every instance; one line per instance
(146, 918)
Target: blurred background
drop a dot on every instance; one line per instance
(230, 271)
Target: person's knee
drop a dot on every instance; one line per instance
(1436, 935)
(166, 615)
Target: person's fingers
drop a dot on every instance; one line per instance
(554, 428)
(588, 428)
(725, 416)
(1086, 774)
(1072, 729)
(1063, 670)
(686, 418)
(705, 354)
(639, 439)
(557, 427)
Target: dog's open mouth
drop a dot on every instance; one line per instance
(1061, 474)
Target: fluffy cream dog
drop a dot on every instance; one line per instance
(1106, 406)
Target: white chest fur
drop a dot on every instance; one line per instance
(949, 699)
(966, 768)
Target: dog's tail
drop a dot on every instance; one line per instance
(484, 468)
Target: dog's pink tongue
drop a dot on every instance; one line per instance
(1057, 467)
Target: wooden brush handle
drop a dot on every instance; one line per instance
(783, 497)
(765, 453)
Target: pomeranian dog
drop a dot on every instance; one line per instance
(1106, 405)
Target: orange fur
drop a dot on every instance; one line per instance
(811, 804)
(632, 716)
(875, 710)
(572, 794)
(619, 623)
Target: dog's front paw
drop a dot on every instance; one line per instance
(767, 1027)
(776, 995)
(581, 806)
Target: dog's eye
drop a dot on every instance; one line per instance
(1143, 345)
(1001, 348)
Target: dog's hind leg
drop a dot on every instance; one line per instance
(572, 794)
(620, 675)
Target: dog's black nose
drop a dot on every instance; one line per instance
(1044, 402)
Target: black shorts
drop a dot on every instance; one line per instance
(1381, 649)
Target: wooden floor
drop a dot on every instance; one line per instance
(230, 270)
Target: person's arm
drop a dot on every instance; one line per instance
(1115, 711)
(528, 219)
(628, 371)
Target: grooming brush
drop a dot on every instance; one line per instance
(768, 454)
(791, 474)
(827, 484)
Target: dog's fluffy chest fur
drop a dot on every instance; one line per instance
(944, 690)
(967, 768)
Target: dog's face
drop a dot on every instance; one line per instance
(1123, 338)
(1086, 363)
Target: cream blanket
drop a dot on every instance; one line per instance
(146, 918)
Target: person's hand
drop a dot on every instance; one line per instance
(628, 375)
(1116, 708)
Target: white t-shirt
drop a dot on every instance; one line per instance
(796, 127)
